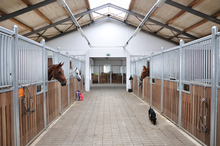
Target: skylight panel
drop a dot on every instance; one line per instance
(121, 3)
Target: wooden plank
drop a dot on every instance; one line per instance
(191, 109)
(147, 89)
(64, 97)
(6, 119)
(170, 100)
(17, 22)
(182, 11)
(156, 94)
(72, 90)
(52, 101)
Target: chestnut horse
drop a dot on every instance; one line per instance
(144, 73)
(56, 72)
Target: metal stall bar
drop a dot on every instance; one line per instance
(180, 82)
(151, 71)
(68, 74)
(214, 72)
(161, 94)
(44, 82)
(15, 85)
(58, 48)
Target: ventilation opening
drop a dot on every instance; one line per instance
(153, 81)
(186, 87)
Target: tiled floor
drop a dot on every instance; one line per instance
(111, 116)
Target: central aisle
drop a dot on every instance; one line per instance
(109, 115)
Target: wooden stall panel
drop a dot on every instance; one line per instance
(147, 89)
(132, 87)
(6, 119)
(218, 118)
(191, 111)
(80, 85)
(76, 83)
(140, 91)
(124, 78)
(170, 100)
(72, 90)
(52, 99)
(64, 97)
(135, 85)
(156, 94)
(31, 123)
(94, 78)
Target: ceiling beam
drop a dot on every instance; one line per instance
(153, 21)
(25, 10)
(118, 8)
(201, 22)
(130, 8)
(66, 19)
(37, 11)
(17, 22)
(182, 11)
(192, 11)
(107, 19)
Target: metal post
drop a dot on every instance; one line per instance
(99, 74)
(161, 96)
(214, 72)
(44, 82)
(15, 85)
(59, 84)
(68, 81)
(180, 83)
(151, 67)
(143, 89)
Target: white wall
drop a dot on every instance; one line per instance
(108, 38)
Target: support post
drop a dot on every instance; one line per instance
(214, 73)
(44, 82)
(151, 66)
(68, 74)
(161, 95)
(180, 83)
(59, 84)
(15, 85)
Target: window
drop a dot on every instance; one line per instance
(107, 68)
(113, 12)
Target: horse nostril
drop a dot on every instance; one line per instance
(63, 84)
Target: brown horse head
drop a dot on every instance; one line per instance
(57, 73)
(145, 72)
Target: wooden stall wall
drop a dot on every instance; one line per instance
(77, 84)
(30, 123)
(147, 89)
(116, 78)
(191, 110)
(64, 97)
(140, 91)
(52, 99)
(95, 78)
(6, 119)
(135, 84)
(218, 117)
(170, 100)
(156, 94)
(124, 78)
(72, 90)
(81, 83)
(132, 85)
(84, 90)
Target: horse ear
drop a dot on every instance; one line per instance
(144, 67)
(60, 64)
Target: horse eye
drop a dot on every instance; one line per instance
(59, 72)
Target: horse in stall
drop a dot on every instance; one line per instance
(55, 71)
(144, 73)
(75, 73)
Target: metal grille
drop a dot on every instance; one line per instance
(132, 68)
(30, 62)
(197, 62)
(156, 66)
(139, 66)
(218, 45)
(171, 65)
(6, 42)
(65, 66)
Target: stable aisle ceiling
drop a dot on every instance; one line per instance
(174, 20)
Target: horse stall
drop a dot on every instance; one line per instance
(184, 86)
(28, 101)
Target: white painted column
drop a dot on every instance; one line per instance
(87, 72)
(128, 69)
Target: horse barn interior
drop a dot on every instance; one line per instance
(86, 72)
